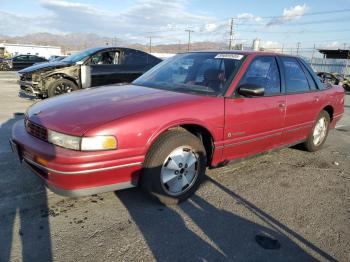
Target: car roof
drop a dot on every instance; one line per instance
(242, 52)
(101, 48)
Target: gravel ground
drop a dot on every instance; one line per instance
(300, 200)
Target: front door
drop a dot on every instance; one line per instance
(254, 124)
(105, 68)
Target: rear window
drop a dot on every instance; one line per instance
(296, 81)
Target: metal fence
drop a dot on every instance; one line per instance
(341, 66)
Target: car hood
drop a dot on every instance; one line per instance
(45, 65)
(80, 111)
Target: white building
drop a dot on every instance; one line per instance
(22, 49)
(162, 55)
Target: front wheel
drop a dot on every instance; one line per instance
(319, 133)
(174, 167)
(61, 86)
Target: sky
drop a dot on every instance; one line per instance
(282, 23)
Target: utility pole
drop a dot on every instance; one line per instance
(115, 41)
(282, 48)
(231, 34)
(150, 44)
(347, 61)
(298, 48)
(189, 38)
(312, 56)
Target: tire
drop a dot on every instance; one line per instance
(170, 181)
(312, 144)
(61, 86)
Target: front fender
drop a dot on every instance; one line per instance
(175, 123)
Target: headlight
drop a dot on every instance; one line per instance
(59, 139)
(82, 143)
(35, 77)
(98, 143)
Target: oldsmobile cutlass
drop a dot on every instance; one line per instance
(190, 112)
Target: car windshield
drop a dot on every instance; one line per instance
(80, 56)
(200, 73)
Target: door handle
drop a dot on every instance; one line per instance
(316, 99)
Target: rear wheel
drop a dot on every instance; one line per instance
(61, 86)
(319, 133)
(174, 167)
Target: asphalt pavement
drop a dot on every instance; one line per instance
(289, 205)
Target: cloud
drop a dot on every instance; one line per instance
(334, 44)
(135, 22)
(271, 45)
(294, 13)
(211, 27)
(248, 17)
(289, 14)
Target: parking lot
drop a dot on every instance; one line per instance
(300, 199)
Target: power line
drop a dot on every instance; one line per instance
(293, 32)
(306, 14)
(329, 21)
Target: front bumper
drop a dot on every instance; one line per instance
(28, 87)
(75, 173)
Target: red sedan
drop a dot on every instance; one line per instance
(192, 111)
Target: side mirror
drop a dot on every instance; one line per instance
(251, 90)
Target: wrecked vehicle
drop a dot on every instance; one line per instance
(4, 64)
(88, 68)
(334, 79)
(20, 61)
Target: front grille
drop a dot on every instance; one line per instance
(36, 130)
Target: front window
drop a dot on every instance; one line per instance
(263, 71)
(199, 73)
(104, 58)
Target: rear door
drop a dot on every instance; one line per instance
(254, 124)
(302, 99)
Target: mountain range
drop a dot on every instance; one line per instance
(79, 41)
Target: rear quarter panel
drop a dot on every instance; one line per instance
(335, 98)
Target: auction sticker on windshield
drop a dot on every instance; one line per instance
(229, 56)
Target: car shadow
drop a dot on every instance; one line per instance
(23, 207)
(198, 230)
(28, 97)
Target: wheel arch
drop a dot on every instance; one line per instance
(198, 129)
(330, 110)
(62, 75)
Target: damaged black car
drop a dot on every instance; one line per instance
(91, 67)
